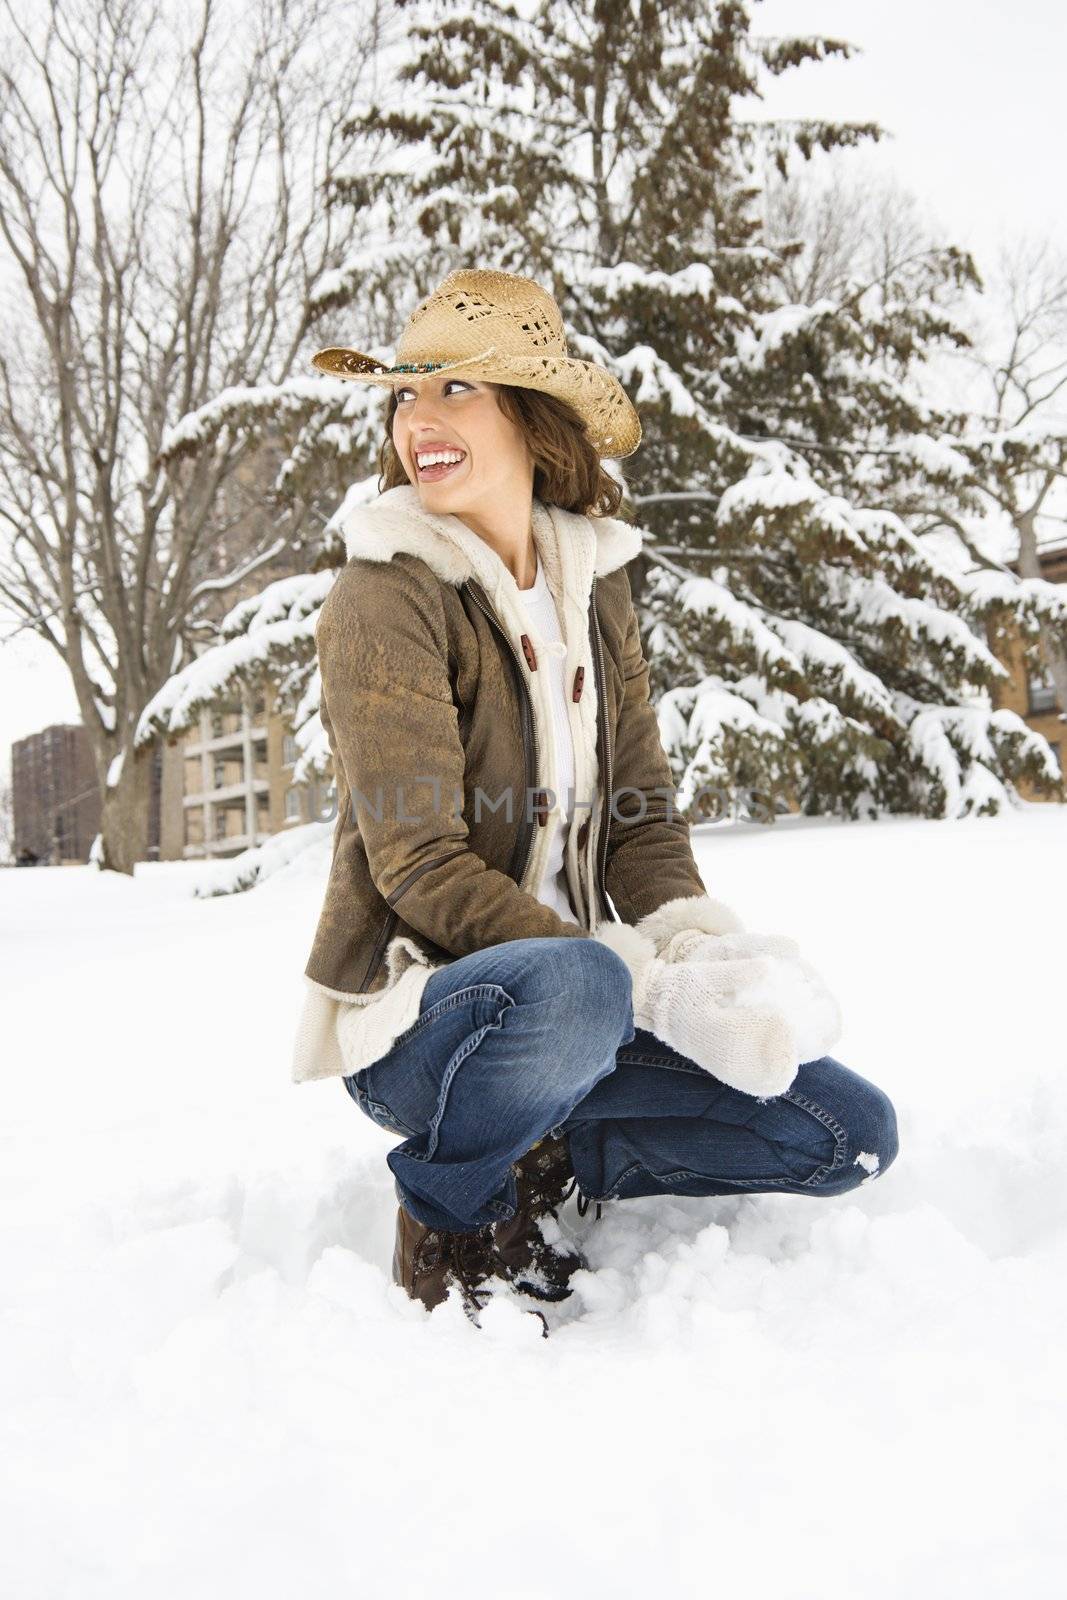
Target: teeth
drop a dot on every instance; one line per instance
(438, 455)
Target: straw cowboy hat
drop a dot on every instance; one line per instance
(504, 329)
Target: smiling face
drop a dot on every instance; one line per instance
(443, 414)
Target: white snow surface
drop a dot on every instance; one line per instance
(210, 1386)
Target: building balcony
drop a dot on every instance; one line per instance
(223, 741)
(229, 793)
(233, 845)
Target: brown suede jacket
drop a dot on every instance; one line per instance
(438, 720)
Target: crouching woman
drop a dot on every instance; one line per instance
(517, 969)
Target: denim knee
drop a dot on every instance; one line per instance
(606, 974)
(583, 976)
(872, 1139)
(878, 1127)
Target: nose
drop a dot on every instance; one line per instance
(424, 409)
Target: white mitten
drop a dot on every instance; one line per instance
(796, 991)
(751, 1048)
(700, 1009)
(698, 928)
(688, 913)
(692, 944)
(792, 986)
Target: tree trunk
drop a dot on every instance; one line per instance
(124, 814)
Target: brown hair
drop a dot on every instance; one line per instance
(567, 470)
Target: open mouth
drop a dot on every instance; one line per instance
(439, 469)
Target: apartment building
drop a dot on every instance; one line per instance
(1030, 693)
(228, 783)
(55, 796)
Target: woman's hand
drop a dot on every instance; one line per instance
(702, 1010)
(693, 944)
(749, 1015)
(788, 983)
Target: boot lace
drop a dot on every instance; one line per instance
(470, 1259)
(583, 1201)
(543, 1183)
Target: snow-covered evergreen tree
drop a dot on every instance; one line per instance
(805, 644)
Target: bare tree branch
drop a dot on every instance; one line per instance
(161, 173)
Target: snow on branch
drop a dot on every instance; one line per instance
(938, 458)
(275, 632)
(239, 574)
(1033, 600)
(367, 255)
(249, 406)
(694, 282)
(656, 380)
(234, 874)
(294, 597)
(870, 604)
(704, 598)
(828, 662)
(768, 492)
(1030, 746)
(885, 530)
(769, 331)
(693, 722)
(957, 746)
(742, 734)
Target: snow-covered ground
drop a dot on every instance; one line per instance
(209, 1386)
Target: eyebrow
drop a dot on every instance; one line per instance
(447, 378)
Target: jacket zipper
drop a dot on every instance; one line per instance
(394, 916)
(599, 859)
(379, 950)
(418, 872)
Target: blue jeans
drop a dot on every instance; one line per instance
(536, 1036)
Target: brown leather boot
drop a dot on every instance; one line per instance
(543, 1177)
(428, 1261)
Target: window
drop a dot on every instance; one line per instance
(289, 750)
(225, 720)
(1041, 693)
(293, 807)
(220, 773)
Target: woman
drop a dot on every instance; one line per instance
(517, 967)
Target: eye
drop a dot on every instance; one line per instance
(404, 389)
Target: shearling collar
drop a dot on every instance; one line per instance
(571, 547)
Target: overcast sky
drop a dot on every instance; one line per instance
(972, 92)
